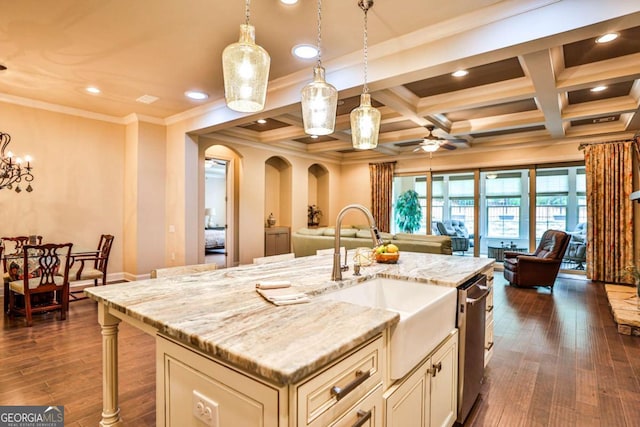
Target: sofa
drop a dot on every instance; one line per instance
(307, 241)
(458, 233)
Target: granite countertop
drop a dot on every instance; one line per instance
(221, 314)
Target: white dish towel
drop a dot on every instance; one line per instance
(280, 292)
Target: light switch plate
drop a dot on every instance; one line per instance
(205, 409)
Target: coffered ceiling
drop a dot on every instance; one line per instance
(526, 83)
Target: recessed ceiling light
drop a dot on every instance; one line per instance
(92, 89)
(262, 121)
(606, 38)
(460, 73)
(598, 88)
(305, 51)
(288, 1)
(194, 94)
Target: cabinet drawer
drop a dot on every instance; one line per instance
(365, 413)
(325, 396)
(488, 342)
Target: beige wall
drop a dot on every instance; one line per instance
(144, 209)
(79, 179)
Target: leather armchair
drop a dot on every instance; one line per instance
(541, 267)
(458, 233)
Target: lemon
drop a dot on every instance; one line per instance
(391, 248)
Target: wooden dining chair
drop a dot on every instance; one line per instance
(19, 242)
(90, 266)
(45, 287)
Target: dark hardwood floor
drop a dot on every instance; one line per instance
(60, 363)
(558, 361)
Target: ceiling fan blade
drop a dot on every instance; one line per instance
(448, 146)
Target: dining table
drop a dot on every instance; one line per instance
(13, 266)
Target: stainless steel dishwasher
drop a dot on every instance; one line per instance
(472, 297)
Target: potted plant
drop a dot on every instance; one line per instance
(408, 213)
(313, 215)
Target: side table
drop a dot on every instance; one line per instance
(497, 252)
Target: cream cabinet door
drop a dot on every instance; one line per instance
(408, 403)
(444, 384)
(428, 397)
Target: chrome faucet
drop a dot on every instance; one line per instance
(338, 268)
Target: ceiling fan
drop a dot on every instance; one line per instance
(432, 143)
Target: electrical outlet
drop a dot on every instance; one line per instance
(205, 409)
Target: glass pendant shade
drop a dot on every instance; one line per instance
(245, 68)
(319, 104)
(365, 124)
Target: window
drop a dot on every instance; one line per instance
(581, 194)
(418, 183)
(437, 200)
(461, 204)
(503, 215)
(552, 186)
(503, 201)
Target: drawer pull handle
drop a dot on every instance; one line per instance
(489, 309)
(363, 417)
(361, 377)
(490, 346)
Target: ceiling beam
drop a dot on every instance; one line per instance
(539, 67)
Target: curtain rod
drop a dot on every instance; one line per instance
(584, 145)
(383, 163)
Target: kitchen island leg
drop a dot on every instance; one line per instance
(110, 409)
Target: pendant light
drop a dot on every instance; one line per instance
(365, 120)
(245, 69)
(319, 99)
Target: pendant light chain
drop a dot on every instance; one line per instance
(319, 32)
(246, 11)
(366, 47)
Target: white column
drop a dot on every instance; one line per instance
(110, 409)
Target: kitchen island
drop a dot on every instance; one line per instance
(219, 317)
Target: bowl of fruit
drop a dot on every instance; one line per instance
(387, 253)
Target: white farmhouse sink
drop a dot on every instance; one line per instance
(427, 315)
